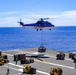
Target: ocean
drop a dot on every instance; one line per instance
(59, 38)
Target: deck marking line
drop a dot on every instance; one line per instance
(55, 64)
(55, 57)
(52, 55)
(12, 68)
(50, 63)
(39, 72)
(43, 72)
(21, 70)
(22, 67)
(35, 54)
(8, 54)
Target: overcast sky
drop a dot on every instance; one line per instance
(12, 11)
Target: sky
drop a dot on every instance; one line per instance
(63, 12)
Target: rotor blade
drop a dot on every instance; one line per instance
(45, 18)
(19, 21)
(53, 18)
(32, 18)
(41, 18)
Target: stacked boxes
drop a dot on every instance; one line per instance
(3, 58)
(41, 49)
(60, 56)
(22, 59)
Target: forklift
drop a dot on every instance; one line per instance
(27, 69)
(56, 71)
(3, 58)
(1, 61)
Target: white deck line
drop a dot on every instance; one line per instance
(22, 67)
(7, 54)
(49, 63)
(31, 52)
(12, 68)
(35, 53)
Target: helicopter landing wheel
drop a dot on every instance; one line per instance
(40, 29)
(49, 29)
(36, 29)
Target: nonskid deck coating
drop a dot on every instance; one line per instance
(43, 65)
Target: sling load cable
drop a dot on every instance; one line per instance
(41, 37)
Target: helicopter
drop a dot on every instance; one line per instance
(39, 25)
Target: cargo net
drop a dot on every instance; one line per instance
(41, 49)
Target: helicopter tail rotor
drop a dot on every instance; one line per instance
(20, 22)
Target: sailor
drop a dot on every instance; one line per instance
(7, 71)
(57, 56)
(70, 54)
(16, 60)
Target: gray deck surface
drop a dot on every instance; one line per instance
(43, 67)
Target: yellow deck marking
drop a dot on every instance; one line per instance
(54, 64)
(47, 62)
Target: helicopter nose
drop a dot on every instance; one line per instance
(53, 25)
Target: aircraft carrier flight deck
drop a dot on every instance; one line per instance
(42, 64)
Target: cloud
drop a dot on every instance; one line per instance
(69, 14)
(9, 19)
(8, 22)
(66, 18)
(8, 13)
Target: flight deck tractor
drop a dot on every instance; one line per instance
(3, 59)
(56, 71)
(22, 58)
(27, 69)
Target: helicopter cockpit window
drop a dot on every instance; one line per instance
(39, 22)
(49, 23)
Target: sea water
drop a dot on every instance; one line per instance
(59, 38)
